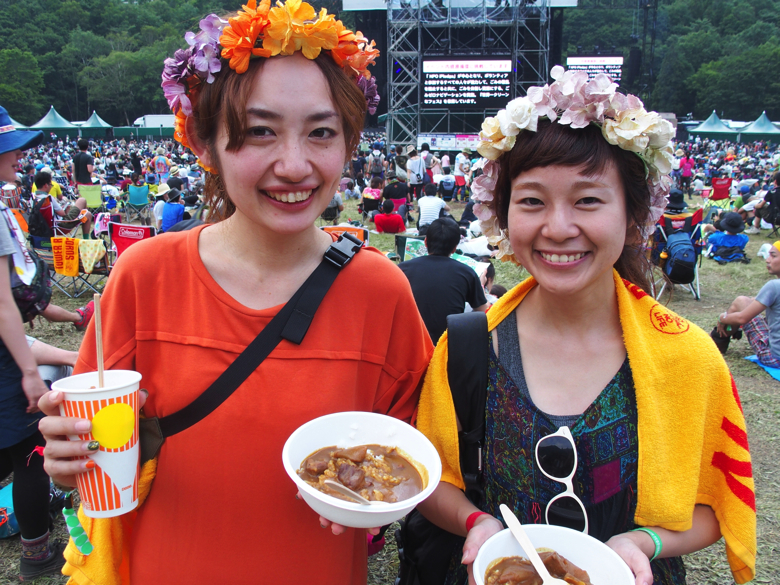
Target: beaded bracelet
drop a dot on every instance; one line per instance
(656, 540)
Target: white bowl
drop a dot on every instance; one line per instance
(349, 429)
(603, 565)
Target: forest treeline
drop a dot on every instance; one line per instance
(106, 55)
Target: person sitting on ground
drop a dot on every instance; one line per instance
(173, 210)
(350, 192)
(431, 208)
(447, 185)
(72, 213)
(726, 240)
(744, 315)
(442, 286)
(388, 221)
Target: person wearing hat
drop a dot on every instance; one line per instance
(725, 238)
(677, 202)
(462, 173)
(174, 181)
(744, 315)
(159, 204)
(20, 388)
(160, 165)
(173, 210)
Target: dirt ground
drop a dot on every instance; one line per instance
(760, 396)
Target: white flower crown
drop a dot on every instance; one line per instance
(574, 101)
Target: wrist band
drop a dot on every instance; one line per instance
(722, 316)
(473, 518)
(656, 540)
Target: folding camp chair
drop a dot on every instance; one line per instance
(82, 282)
(690, 224)
(94, 196)
(59, 227)
(122, 236)
(137, 205)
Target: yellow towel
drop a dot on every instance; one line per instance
(692, 437)
(109, 563)
(91, 251)
(66, 255)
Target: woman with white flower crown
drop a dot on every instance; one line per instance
(273, 102)
(591, 382)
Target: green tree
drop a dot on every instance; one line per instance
(113, 82)
(20, 85)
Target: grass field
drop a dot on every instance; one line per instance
(760, 396)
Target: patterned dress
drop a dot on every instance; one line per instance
(607, 451)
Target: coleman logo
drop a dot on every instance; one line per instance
(136, 234)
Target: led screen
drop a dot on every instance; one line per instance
(612, 66)
(466, 84)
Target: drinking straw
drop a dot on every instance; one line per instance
(99, 339)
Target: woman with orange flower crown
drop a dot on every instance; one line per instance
(272, 101)
(605, 412)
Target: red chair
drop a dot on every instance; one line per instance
(123, 235)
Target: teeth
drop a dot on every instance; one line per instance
(562, 258)
(291, 197)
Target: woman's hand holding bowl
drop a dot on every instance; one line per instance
(484, 527)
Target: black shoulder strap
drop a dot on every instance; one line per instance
(467, 370)
(291, 323)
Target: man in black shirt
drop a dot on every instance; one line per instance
(398, 192)
(442, 286)
(83, 164)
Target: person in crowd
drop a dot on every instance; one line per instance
(358, 164)
(388, 221)
(574, 207)
(376, 163)
(83, 164)
(397, 191)
(160, 166)
(431, 208)
(173, 210)
(445, 163)
(174, 181)
(20, 388)
(768, 208)
(687, 166)
(375, 190)
(71, 213)
(725, 240)
(160, 198)
(350, 192)
(436, 168)
(447, 186)
(462, 173)
(442, 286)
(430, 160)
(266, 188)
(415, 169)
(744, 315)
(677, 202)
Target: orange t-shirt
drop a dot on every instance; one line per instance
(222, 509)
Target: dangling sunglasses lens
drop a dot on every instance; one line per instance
(556, 456)
(566, 512)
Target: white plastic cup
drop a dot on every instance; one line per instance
(111, 487)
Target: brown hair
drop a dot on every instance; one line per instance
(557, 144)
(224, 102)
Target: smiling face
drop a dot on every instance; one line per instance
(566, 228)
(289, 166)
(9, 165)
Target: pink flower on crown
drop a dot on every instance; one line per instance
(567, 86)
(542, 98)
(483, 212)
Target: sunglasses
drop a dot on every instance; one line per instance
(556, 456)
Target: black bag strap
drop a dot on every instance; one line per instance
(291, 323)
(467, 371)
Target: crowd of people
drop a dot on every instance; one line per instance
(573, 350)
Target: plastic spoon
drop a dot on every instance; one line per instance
(345, 491)
(528, 548)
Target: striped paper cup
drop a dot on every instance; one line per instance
(111, 487)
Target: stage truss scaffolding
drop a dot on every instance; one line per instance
(488, 29)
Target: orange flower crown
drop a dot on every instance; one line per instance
(263, 31)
